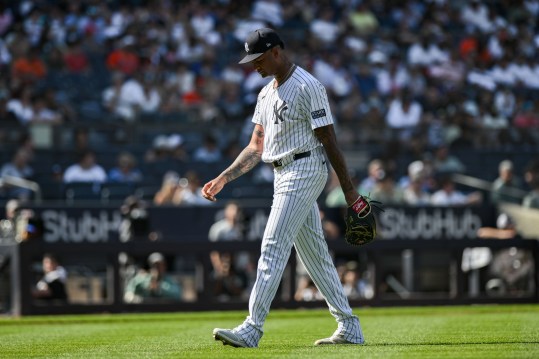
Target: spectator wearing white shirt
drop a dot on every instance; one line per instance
(21, 105)
(182, 80)
(331, 73)
(449, 196)
(117, 22)
(244, 25)
(85, 170)
(138, 94)
(111, 96)
(270, 11)
(415, 195)
(476, 15)
(425, 53)
(324, 28)
(524, 73)
(392, 78)
(233, 73)
(501, 73)
(202, 22)
(323, 70)
(494, 45)
(451, 73)
(45, 115)
(404, 115)
(481, 77)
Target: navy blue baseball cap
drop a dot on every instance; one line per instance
(260, 41)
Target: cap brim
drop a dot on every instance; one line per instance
(250, 58)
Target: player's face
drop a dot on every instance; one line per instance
(264, 65)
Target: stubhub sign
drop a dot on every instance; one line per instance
(431, 223)
(65, 224)
(76, 226)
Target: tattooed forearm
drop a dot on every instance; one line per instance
(247, 159)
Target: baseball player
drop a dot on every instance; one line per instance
(293, 127)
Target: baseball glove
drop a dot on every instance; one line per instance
(360, 221)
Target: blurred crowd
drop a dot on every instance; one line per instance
(420, 78)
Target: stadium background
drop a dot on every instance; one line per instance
(467, 69)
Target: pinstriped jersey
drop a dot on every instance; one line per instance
(290, 113)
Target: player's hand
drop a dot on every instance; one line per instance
(210, 189)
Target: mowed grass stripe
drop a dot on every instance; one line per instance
(507, 327)
(440, 332)
(203, 316)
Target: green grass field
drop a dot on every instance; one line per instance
(422, 332)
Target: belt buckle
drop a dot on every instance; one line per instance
(277, 163)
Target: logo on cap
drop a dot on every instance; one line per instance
(246, 47)
(268, 44)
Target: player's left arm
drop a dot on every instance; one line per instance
(326, 135)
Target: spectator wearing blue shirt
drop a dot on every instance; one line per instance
(126, 170)
(209, 152)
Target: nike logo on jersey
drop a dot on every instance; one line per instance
(278, 111)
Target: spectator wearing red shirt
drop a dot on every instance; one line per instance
(75, 59)
(472, 48)
(29, 68)
(124, 58)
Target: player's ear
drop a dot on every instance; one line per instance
(275, 51)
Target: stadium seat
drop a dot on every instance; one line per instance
(51, 189)
(147, 192)
(82, 191)
(116, 191)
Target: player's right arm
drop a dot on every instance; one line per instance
(246, 160)
(326, 135)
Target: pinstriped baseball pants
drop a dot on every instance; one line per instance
(294, 220)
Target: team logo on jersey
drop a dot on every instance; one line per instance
(318, 113)
(278, 111)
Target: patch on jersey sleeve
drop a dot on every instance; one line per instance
(318, 113)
